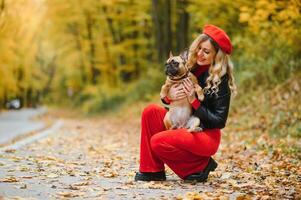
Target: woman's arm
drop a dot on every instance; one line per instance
(214, 113)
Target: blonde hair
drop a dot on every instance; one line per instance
(220, 66)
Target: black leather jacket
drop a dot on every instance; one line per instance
(213, 111)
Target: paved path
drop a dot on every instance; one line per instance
(96, 158)
(18, 122)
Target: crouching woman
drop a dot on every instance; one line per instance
(189, 154)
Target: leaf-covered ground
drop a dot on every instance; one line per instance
(97, 157)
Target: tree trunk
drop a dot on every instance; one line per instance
(161, 14)
(90, 23)
(118, 37)
(148, 34)
(182, 26)
(167, 28)
(5, 99)
(157, 29)
(2, 6)
(110, 25)
(29, 99)
(51, 74)
(135, 49)
(74, 30)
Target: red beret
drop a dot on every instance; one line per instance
(219, 36)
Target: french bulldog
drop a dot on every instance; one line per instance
(180, 111)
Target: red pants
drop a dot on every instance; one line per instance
(184, 152)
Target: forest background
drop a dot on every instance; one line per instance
(100, 55)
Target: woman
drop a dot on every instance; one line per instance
(189, 154)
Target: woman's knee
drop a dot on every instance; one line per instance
(150, 109)
(209, 150)
(159, 144)
(214, 144)
(156, 143)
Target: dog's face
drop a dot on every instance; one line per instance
(175, 67)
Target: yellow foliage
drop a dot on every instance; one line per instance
(52, 45)
(281, 17)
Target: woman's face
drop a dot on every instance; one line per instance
(206, 53)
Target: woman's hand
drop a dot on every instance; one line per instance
(189, 90)
(176, 92)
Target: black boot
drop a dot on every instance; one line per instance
(202, 176)
(150, 176)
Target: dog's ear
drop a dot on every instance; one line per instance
(184, 55)
(170, 54)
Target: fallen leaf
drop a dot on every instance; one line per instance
(192, 196)
(52, 175)
(9, 180)
(244, 197)
(27, 177)
(72, 187)
(10, 150)
(67, 194)
(226, 175)
(81, 183)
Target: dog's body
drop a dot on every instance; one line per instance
(180, 111)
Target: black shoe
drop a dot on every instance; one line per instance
(150, 176)
(202, 176)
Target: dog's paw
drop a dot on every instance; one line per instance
(195, 129)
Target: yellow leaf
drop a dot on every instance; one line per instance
(52, 175)
(9, 180)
